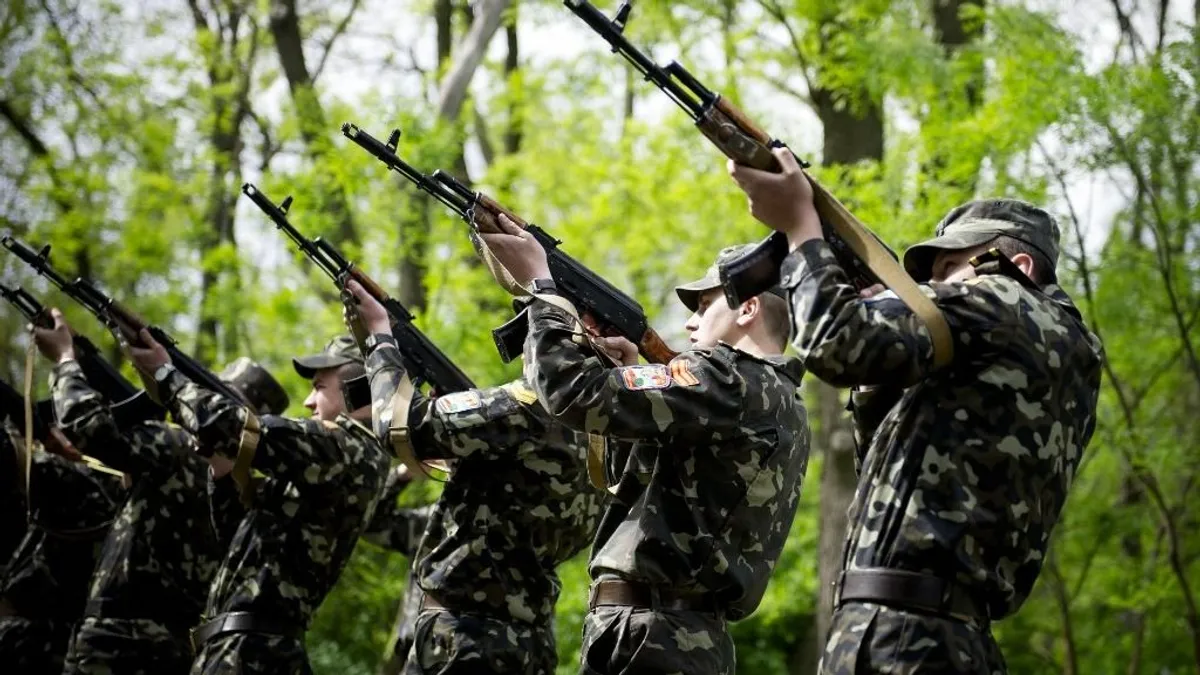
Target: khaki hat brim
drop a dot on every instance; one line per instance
(307, 366)
(689, 294)
(918, 259)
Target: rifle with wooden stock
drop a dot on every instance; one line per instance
(128, 403)
(117, 317)
(861, 254)
(422, 359)
(614, 311)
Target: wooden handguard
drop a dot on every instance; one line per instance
(655, 349)
(369, 285)
(743, 122)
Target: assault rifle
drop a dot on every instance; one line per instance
(117, 317)
(422, 359)
(615, 311)
(745, 143)
(130, 405)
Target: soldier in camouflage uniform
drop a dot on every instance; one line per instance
(153, 577)
(516, 505)
(966, 473)
(44, 582)
(705, 496)
(400, 529)
(322, 479)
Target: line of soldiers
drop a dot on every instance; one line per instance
(964, 469)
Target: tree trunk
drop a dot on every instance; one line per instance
(453, 89)
(285, 28)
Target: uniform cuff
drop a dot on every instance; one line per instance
(812, 255)
(64, 370)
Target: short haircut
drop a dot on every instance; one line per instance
(1043, 270)
(777, 318)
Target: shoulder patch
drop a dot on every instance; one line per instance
(520, 391)
(457, 402)
(637, 378)
(681, 373)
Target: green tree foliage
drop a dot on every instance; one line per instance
(126, 130)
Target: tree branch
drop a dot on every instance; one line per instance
(453, 89)
(772, 7)
(338, 31)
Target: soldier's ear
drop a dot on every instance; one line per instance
(749, 311)
(1025, 262)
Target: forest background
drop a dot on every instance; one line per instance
(127, 129)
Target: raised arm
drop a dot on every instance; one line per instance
(699, 391)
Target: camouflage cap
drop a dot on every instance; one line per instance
(340, 351)
(978, 222)
(261, 390)
(689, 293)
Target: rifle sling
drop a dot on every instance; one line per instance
(871, 252)
(27, 469)
(247, 445)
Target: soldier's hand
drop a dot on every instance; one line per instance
(372, 313)
(55, 343)
(518, 251)
(618, 349)
(781, 201)
(872, 290)
(147, 357)
(58, 444)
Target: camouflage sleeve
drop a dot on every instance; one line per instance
(699, 392)
(848, 340)
(87, 420)
(306, 452)
(449, 426)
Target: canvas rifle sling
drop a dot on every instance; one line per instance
(247, 445)
(877, 258)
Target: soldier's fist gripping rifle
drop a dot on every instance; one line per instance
(865, 259)
(614, 311)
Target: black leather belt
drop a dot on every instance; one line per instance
(241, 622)
(632, 594)
(911, 590)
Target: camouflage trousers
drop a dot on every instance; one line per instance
(870, 638)
(126, 647)
(252, 654)
(33, 647)
(627, 640)
(449, 643)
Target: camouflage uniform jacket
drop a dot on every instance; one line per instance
(966, 474)
(394, 527)
(47, 576)
(707, 492)
(322, 481)
(517, 504)
(161, 554)
(12, 501)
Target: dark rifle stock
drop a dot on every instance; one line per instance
(422, 359)
(615, 312)
(119, 318)
(744, 142)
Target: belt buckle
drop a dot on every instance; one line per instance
(593, 590)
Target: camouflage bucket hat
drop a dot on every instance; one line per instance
(340, 351)
(689, 293)
(979, 222)
(261, 390)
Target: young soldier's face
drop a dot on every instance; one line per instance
(713, 321)
(325, 400)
